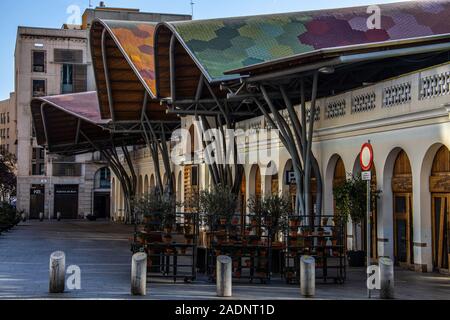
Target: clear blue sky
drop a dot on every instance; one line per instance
(53, 13)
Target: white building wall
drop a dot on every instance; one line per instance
(417, 123)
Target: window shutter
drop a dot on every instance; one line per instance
(68, 56)
(80, 78)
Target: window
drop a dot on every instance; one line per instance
(39, 88)
(73, 78)
(194, 176)
(103, 179)
(67, 78)
(38, 162)
(68, 56)
(7, 133)
(7, 117)
(39, 61)
(67, 169)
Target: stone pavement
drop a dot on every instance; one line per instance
(102, 251)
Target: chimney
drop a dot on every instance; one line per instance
(102, 4)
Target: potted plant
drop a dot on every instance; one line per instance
(275, 211)
(218, 206)
(351, 203)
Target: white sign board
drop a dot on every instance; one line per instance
(366, 175)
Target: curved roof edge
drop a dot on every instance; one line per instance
(82, 105)
(128, 45)
(201, 67)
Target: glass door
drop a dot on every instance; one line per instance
(441, 230)
(403, 249)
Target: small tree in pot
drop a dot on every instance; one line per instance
(275, 211)
(218, 206)
(351, 203)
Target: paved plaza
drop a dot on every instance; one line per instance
(102, 251)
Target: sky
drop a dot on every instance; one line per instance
(54, 13)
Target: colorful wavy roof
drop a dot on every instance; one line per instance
(81, 105)
(221, 45)
(136, 39)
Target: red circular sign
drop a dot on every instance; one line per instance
(366, 157)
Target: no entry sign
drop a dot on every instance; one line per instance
(366, 157)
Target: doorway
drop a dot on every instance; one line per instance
(403, 246)
(66, 201)
(102, 203)
(37, 200)
(441, 231)
(403, 214)
(440, 209)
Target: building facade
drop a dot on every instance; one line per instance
(54, 62)
(407, 121)
(8, 126)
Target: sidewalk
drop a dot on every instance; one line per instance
(102, 251)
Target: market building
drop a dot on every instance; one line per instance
(388, 85)
(54, 62)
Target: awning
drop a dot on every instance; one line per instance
(124, 68)
(68, 124)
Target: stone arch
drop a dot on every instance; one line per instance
(270, 177)
(328, 183)
(440, 207)
(402, 214)
(385, 215)
(146, 185)
(152, 185)
(140, 190)
(255, 185)
(423, 247)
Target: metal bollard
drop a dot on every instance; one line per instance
(139, 274)
(307, 276)
(58, 216)
(386, 278)
(224, 276)
(41, 216)
(57, 272)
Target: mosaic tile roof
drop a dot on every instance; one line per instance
(81, 105)
(221, 45)
(136, 39)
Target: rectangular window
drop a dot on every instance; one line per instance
(194, 176)
(39, 61)
(7, 117)
(67, 79)
(73, 78)
(68, 56)
(39, 88)
(7, 133)
(66, 169)
(38, 162)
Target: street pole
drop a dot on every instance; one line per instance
(368, 230)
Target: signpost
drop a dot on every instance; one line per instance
(366, 162)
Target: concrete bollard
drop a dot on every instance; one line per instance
(58, 216)
(41, 216)
(57, 272)
(307, 276)
(24, 217)
(139, 274)
(386, 278)
(224, 276)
